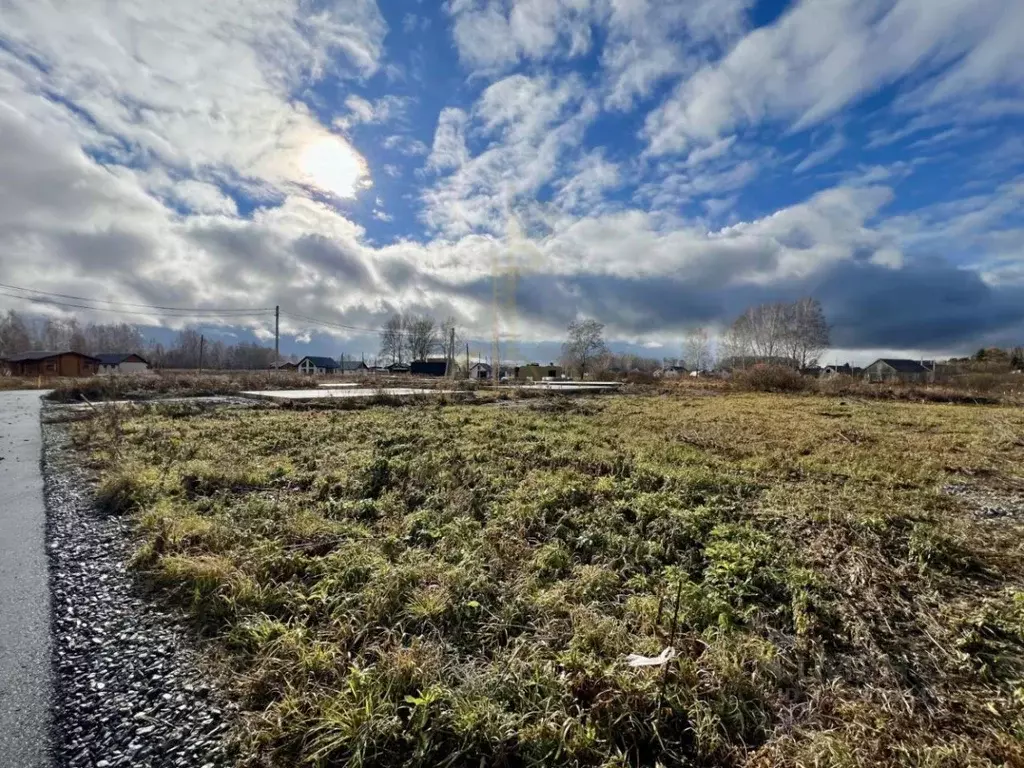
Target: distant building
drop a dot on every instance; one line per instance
(537, 372)
(284, 365)
(830, 371)
(120, 362)
(398, 368)
(429, 367)
(892, 369)
(480, 371)
(318, 366)
(65, 363)
(352, 367)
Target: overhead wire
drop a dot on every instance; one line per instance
(217, 310)
(198, 313)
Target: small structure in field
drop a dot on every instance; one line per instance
(895, 369)
(284, 365)
(398, 368)
(122, 362)
(66, 363)
(318, 366)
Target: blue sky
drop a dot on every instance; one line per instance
(654, 165)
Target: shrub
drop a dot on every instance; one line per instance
(770, 378)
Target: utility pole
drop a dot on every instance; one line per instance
(277, 333)
(451, 354)
(202, 343)
(467, 359)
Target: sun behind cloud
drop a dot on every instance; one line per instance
(333, 166)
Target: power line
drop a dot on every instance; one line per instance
(218, 310)
(199, 313)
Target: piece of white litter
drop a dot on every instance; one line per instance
(636, 660)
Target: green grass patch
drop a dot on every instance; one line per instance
(461, 585)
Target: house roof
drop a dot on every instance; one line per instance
(352, 365)
(116, 358)
(25, 357)
(398, 366)
(283, 364)
(320, 362)
(904, 366)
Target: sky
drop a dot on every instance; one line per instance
(652, 165)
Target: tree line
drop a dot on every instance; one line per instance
(19, 333)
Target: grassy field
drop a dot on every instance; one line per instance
(461, 584)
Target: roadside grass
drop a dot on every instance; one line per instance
(460, 585)
(158, 384)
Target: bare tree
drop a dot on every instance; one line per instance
(392, 339)
(585, 345)
(697, 354)
(807, 334)
(14, 334)
(421, 337)
(738, 343)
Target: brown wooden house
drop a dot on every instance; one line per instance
(30, 364)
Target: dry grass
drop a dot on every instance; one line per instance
(156, 385)
(460, 585)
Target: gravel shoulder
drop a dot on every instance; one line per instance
(128, 687)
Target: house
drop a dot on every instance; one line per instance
(65, 363)
(480, 371)
(122, 362)
(284, 365)
(536, 372)
(319, 366)
(433, 367)
(352, 367)
(831, 371)
(398, 368)
(672, 372)
(892, 369)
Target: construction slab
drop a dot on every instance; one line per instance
(341, 394)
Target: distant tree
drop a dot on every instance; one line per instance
(392, 339)
(584, 346)
(1017, 359)
(806, 334)
(737, 345)
(421, 338)
(14, 334)
(697, 354)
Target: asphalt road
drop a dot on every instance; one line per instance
(25, 680)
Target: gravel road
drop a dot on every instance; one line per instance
(25, 685)
(128, 688)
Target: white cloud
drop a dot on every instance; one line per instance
(492, 34)
(649, 41)
(530, 123)
(385, 109)
(192, 85)
(835, 144)
(449, 150)
(405, 145)
(821, 56)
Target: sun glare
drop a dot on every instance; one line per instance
(334, 167)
